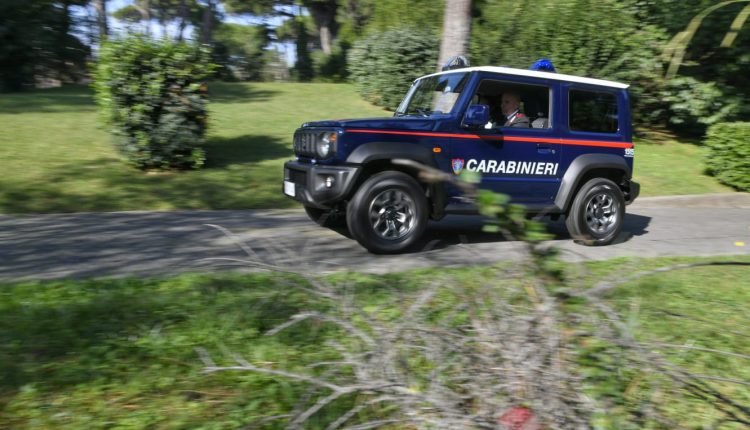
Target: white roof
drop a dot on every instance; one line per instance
(536, 74)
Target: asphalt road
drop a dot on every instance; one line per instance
(163, 243)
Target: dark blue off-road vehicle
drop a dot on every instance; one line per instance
(555, 143)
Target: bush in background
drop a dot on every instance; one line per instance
(729, 156)
(695, 105)
(331, 67)
(383, 65)
(152, 95)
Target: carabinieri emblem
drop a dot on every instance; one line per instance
(458, 165)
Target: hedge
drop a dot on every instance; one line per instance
(152, 95)
(384, 65)
(729, 155)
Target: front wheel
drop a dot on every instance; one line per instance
(388, 213)
(596, 216)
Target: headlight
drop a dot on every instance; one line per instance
(326, 144)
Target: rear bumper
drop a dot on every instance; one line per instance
(634, 189)
(318, 186)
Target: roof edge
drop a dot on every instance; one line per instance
(536, 74)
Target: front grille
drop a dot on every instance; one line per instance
(298, 176)
(304, 143)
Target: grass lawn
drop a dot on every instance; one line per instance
(665, 167)
(121, 353)
(58, 158)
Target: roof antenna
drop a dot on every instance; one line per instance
(457, 62)
(543, 65)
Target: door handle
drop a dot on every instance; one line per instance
(544, 149)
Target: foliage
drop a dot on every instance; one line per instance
(695, 105)
(303, 68)
(729, 156)
(86, 354)
(36, 42)
(383, 65)
(426, 15)
(333, 67)
(153, 96)
(239, 49)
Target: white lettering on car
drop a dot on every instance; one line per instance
(511, 167)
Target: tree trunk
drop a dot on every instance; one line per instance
(324, 15)
(456, 30)
(207, 22)
(145, 9)
(183, 19)
(101, 18)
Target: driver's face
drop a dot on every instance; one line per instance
(509, 104)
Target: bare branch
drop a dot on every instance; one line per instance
(345, 325)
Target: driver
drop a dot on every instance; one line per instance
(511, 108)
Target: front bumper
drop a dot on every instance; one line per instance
(317, 185)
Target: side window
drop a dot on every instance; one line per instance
(593, 111)
(515, 105)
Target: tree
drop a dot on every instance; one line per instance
(101, 18)
(36, 41)
(456, 29)
(323, 13)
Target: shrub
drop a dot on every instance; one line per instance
(729, 156)
(383, 65)
(695, 105)
(151, 94)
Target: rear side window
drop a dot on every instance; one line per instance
(593, 111)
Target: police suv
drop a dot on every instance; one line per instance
(558, 144)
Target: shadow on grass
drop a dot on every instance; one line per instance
(225, 92)
(78, 98)
(223, 152)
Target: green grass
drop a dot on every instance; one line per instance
(663, 166)
(121, 353)
(58, 158)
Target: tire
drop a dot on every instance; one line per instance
(597, 213)
(388, 213)
(326, 217)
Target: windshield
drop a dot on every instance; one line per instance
(433, 95)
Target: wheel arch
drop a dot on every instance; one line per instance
(376, 157)
(586, 167)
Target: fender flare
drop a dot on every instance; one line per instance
(378, 151)
(578, 169)
(375, 151)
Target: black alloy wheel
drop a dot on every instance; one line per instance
(388, 213)
(597, 213)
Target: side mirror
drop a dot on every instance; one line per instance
(476, 116)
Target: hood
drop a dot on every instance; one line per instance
(396, 123)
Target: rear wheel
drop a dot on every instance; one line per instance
(388, 213)
(330, 218)
(597, 213)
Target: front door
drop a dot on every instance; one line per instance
(516, 153)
